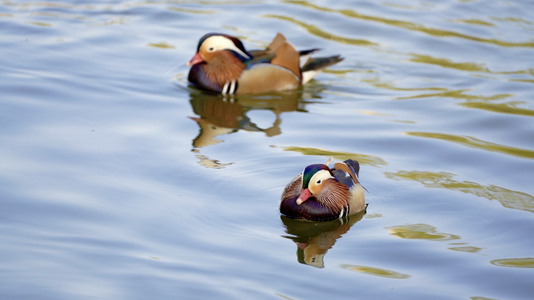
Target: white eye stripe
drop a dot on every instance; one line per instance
(218, 42)
(321, 175)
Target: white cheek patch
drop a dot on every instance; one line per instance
(221, 43)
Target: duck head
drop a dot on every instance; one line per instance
(314, 178)
(216, 46)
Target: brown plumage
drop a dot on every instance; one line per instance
(222, 65)
(321, 193)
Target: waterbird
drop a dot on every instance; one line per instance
(320, 193)
(223, 65)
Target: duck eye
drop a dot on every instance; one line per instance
(318, 181)
(211, 49)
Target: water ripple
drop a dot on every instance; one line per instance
(376, 271)
(323, 34)
(361, 158)
(413, 26)
(476, 143)
(527, 262)
(508, 198)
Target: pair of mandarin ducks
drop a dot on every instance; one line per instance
(222, 65)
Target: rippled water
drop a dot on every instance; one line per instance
(118, 181)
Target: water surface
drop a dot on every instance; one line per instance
(118, 181)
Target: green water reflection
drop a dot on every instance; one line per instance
(508, 198)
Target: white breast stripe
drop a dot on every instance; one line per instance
(233, 87)
(225, 88)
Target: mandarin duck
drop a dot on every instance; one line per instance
(223, 65)
(321, 194)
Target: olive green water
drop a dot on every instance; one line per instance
(118, 181)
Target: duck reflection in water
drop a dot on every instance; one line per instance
(314, 239)
(219, 115)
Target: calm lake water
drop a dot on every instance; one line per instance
(118, 181)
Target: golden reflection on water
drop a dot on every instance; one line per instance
(488, 103)
(470, 249)
(507, 198)
(512, 19)
(476, 143)
(420, 232)
(480, 102)
(460, 94)
(376, 271)
(507, 107)
(161, 45)
(321, 33)
(364, 159)
(472, 101)
(193, 11)
(447, 63)
(430, 233)
(56, 15)
(463, 66)
(411, 26)
(389, 86)
(481, 298)
(474, 22)
(522, 80)
(527, 262)
(42, 24)
(27, 5)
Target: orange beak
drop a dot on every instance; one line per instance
(195, 60)
(304, 195)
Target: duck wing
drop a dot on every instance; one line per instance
(347, 172)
